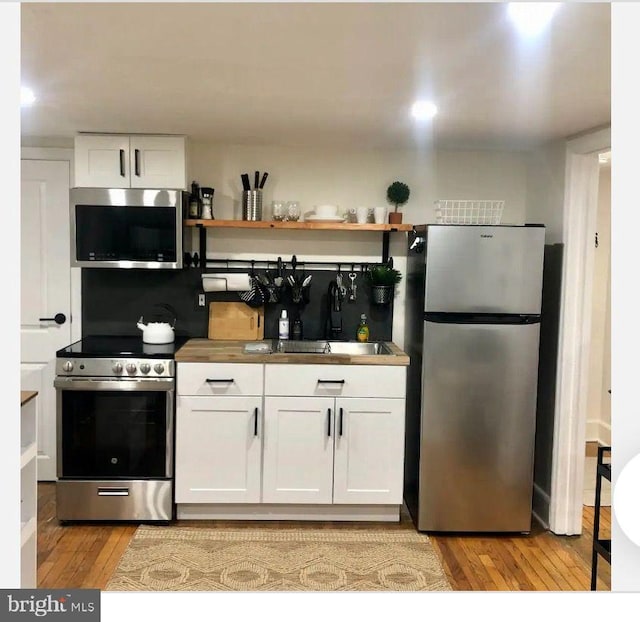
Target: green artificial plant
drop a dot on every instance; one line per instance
(398, 194)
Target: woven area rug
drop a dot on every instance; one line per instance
(197, 559)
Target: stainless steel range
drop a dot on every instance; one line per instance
(115, 429)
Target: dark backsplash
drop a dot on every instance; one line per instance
(114, 299)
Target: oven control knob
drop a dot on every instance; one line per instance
(117, 368)
(145, 368)
(68, 366)
(131, 368)
(159, 368)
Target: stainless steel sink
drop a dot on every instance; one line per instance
(352, 348)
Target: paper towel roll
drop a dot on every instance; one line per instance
(226, 282)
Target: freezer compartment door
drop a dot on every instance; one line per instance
(478, 427)
(484, 269)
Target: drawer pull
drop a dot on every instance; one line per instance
(113, 492)
(330, 381)
(229, 380)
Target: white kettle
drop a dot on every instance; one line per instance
(156, 332)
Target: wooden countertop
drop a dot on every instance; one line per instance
(25, 396)
(208, 351)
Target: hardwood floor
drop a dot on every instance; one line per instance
(84, 556)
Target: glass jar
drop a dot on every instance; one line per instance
(293, 210)
(278, 210)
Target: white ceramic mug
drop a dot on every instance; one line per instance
(380, 215)
(361, 215)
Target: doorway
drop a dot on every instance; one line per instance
(579, 225)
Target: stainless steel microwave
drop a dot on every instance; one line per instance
(127, 228)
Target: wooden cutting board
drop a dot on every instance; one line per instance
(235, 321)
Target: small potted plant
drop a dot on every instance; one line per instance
(398, 194)
(383, 279)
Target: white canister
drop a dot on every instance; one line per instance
(380, 215)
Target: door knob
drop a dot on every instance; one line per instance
(59, 318)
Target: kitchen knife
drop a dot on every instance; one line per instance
(246, 184)
(256, 180)
(264, 178)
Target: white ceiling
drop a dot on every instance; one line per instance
(313, 73)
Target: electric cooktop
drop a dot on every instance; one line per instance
(114, 346)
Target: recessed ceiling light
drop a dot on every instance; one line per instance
(423, 110)
(531, 18)
(26, 96)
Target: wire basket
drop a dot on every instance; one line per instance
(468, 212)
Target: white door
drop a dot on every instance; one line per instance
(158, 162)
(102, 161)
(218, 449)
(298, 450)
(45, 291)
(369, 451)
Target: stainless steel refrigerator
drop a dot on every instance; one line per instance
(472, 331)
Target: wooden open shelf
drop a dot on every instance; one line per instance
(273, 224)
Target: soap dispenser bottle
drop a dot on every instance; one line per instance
(283, 325)
(362, 334)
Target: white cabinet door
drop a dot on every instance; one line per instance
(298, 450)
(102, 161)
(218, 449)
(369, 451)
(158, 162)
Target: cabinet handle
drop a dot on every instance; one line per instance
(122, 163)
(255, 424)
(219, 380)
(137, 161)
(328, 422)
(330, 381)
(341, 415)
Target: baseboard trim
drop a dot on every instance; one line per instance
(263, 511)
(598, 432)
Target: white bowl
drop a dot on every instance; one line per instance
(327, 211)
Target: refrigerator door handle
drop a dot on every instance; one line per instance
(481, 318)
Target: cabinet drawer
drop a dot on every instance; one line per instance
(220, 379)
(335, 380)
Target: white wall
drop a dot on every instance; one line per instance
(599, 405)
(545, 188)
(360, 177)
(349, 179)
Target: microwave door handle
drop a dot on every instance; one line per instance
(122, 173)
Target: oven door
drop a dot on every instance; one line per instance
(115, 429)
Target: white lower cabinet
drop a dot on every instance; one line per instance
(298, 450)
(218, 435)
(369, 451)
(332, 436)
(326, 450)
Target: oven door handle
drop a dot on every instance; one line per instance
(113, 492)
(103, 384)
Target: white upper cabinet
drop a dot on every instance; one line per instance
(136, 161)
